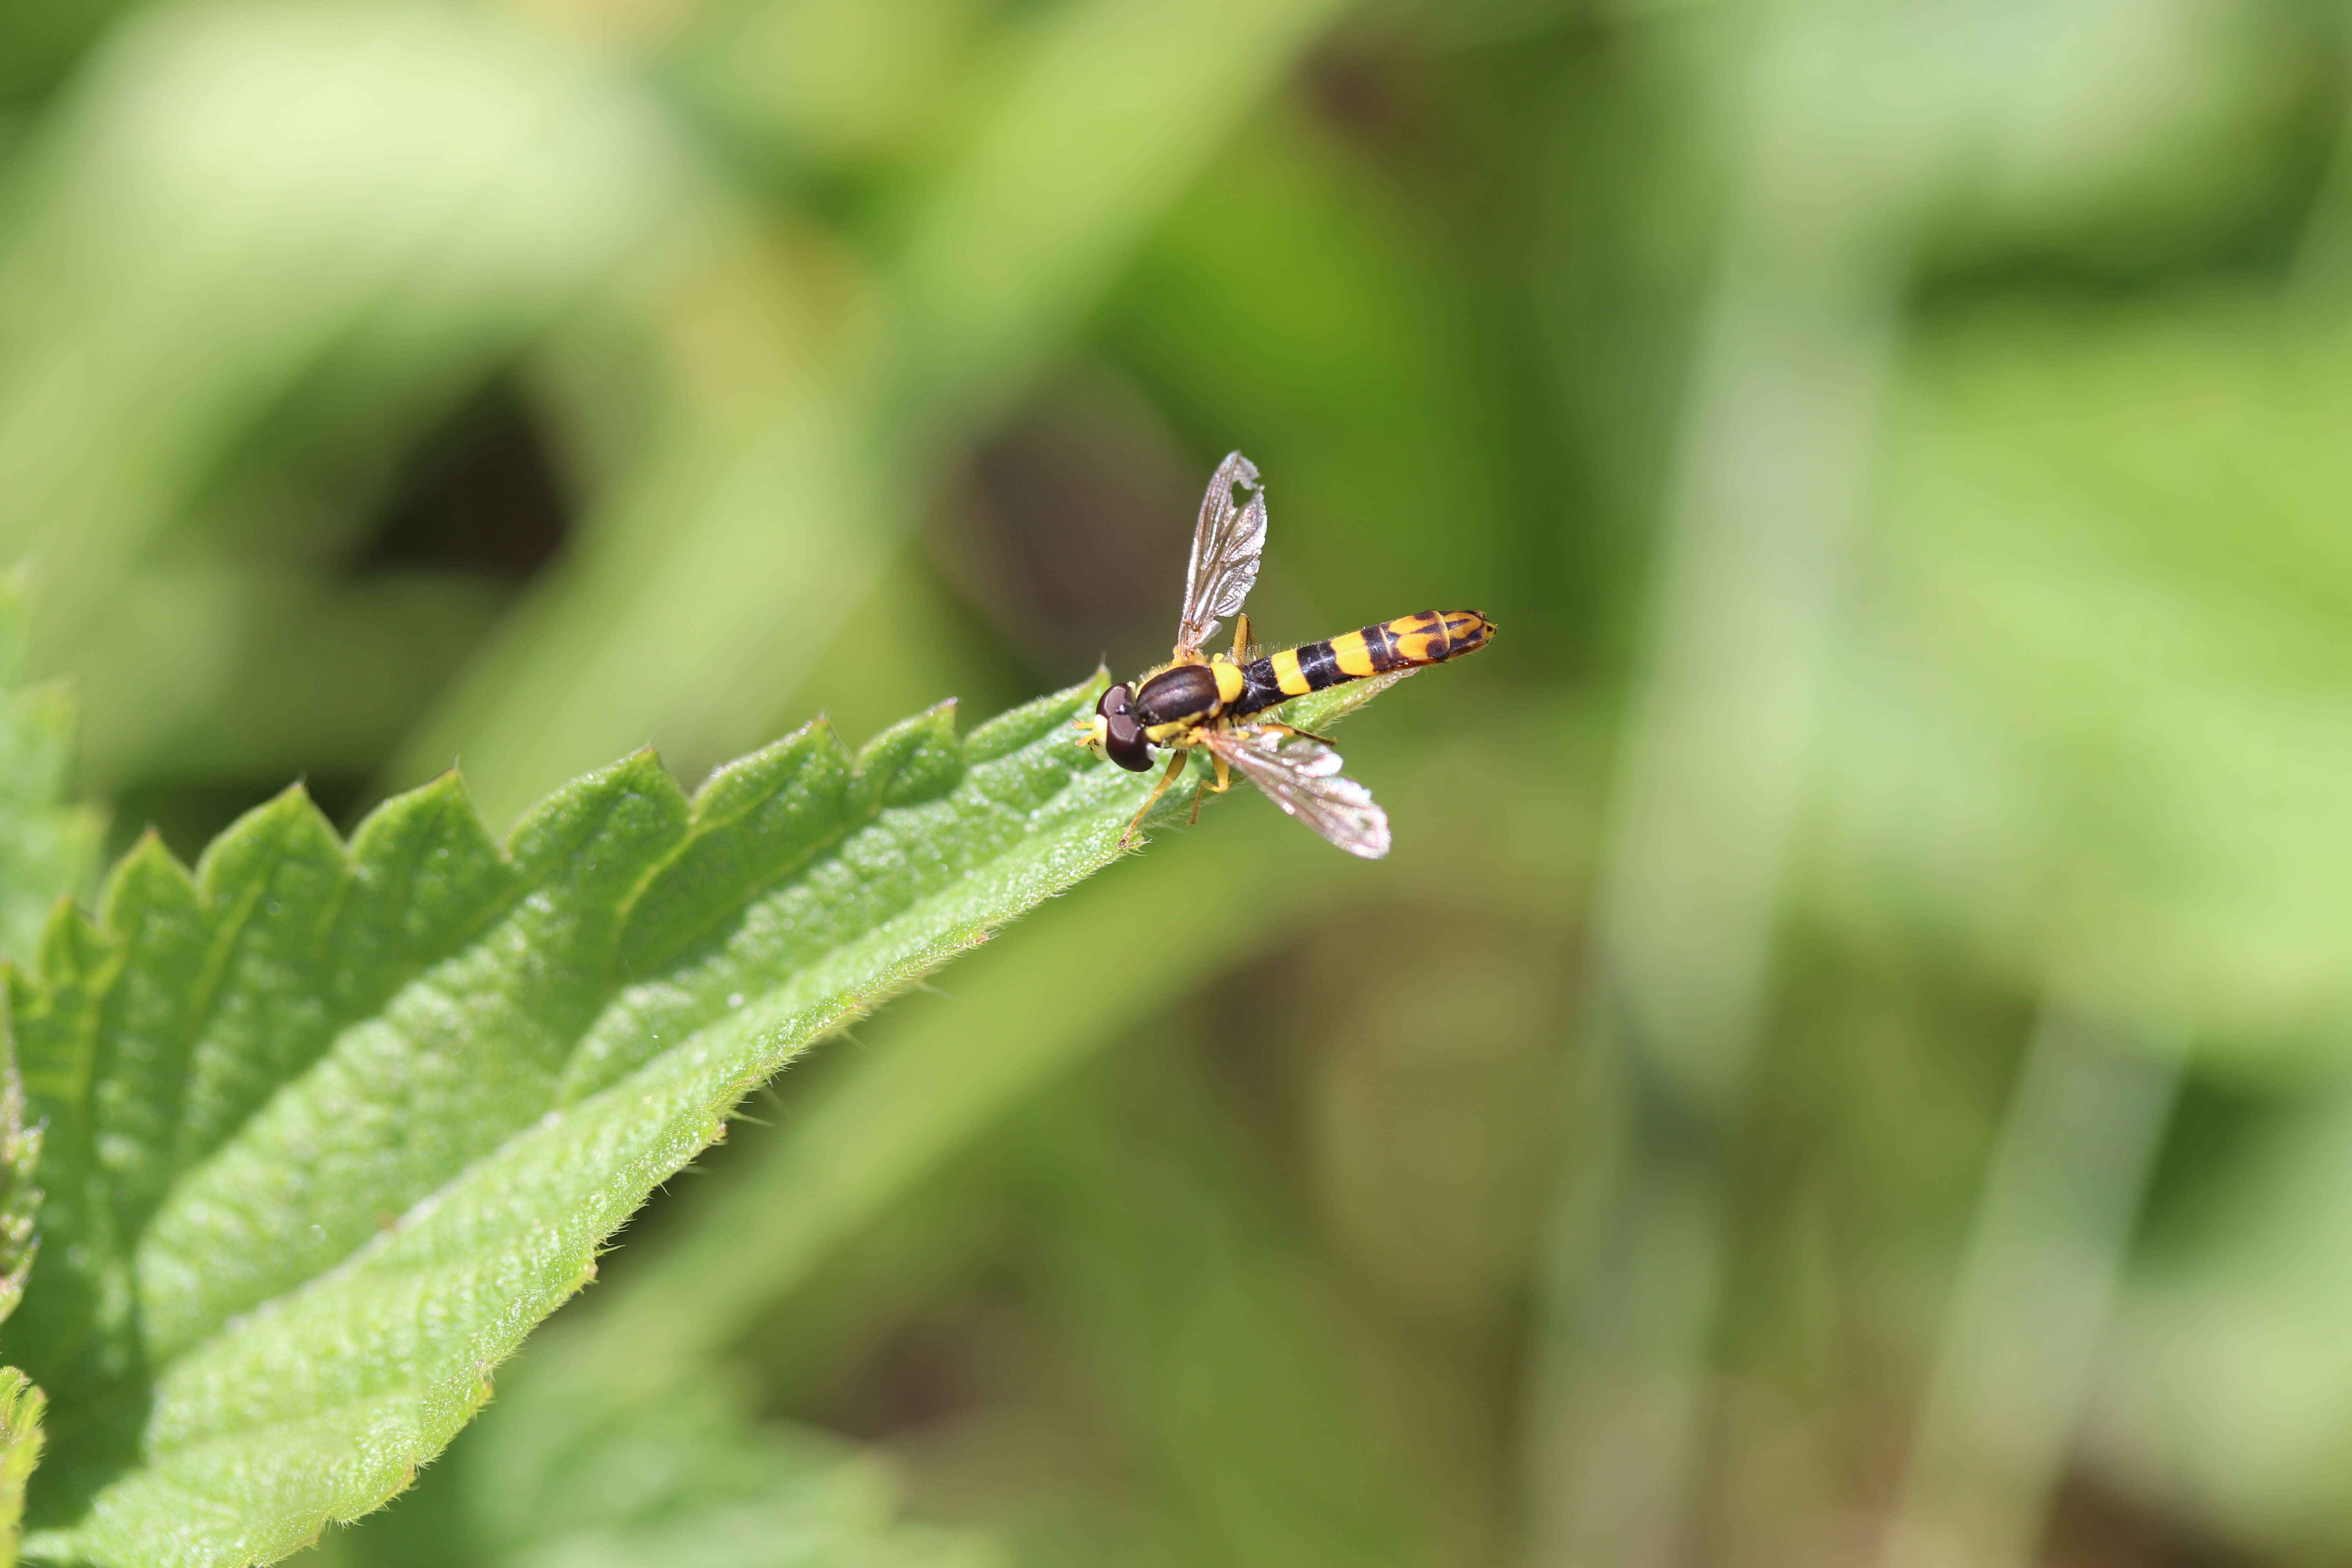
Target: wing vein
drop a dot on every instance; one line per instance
(1302, 776)
(1226, 545)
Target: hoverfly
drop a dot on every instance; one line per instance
(1202, 701)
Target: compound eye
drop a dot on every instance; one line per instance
(1123, 739)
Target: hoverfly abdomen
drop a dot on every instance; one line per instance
(1431, 637)
(1182, 694)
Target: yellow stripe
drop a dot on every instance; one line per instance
(1287, 676)
(1230, 684)
(1353, 656)
(1409, 636)
(1466, 628)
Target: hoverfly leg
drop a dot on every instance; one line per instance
(1223, 782)
(1175, 765)
(1241, 637)
(1293, 730)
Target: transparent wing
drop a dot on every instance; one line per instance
(1225, 549)
(1303, 777)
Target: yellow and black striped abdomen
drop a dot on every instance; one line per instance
(1430, 637)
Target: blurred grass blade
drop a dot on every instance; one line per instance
(1114, 109)
(1770, 473)
(2094, 711)
(1775, 459)
(2028, 1315)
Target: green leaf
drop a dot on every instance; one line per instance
(331, 1129)
(20, 1449)
(921, 1087)
(46, 848)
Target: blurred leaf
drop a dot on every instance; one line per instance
(691, 1483)
(1376, 409)
(210, 670)
(1238, 1373)
(2124, 134)
(2090, 731)
(1110, 112)
(2093, 712)
(793, 464)
(714, 569)
(821, 82)
(40, 40)
(2226, 1391)
(238, 192)
(45, 847)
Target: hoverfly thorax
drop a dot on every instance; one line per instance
(1182, 695)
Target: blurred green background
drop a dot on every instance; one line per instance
(1850, 1060)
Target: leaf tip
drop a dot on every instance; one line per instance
(915, 760)
(148, 874)
(1032, 720)
(71, 944)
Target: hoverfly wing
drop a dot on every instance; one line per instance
(1303, 777)
(1226, 545)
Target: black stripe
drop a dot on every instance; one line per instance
(1379, 647)
(1260, 690)
(1319, 666)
